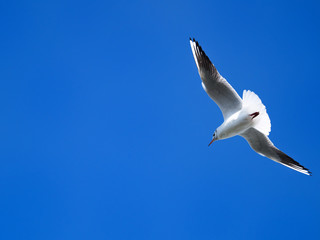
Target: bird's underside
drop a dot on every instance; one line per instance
(230, 103)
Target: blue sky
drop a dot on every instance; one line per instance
(105, 125)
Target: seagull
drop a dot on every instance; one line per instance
(246, 117)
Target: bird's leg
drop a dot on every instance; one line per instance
(253, 115)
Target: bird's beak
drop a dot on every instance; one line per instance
(211, 141)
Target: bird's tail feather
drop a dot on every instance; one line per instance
(253, 104)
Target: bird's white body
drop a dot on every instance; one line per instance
(236, 124)
(242, 120)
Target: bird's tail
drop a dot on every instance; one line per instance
(252, 103)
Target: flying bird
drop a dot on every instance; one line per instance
(246, 117)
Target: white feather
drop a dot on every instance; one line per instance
(252, 103)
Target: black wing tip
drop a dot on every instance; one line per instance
(305, 169)
(195, 41)
(286, 160)
(201, 52)
(309, 173)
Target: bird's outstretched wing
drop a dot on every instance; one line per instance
(262, 145)
(214, 84)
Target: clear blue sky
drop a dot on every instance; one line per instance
(105, 125)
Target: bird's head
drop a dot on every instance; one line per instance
(214, 137)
